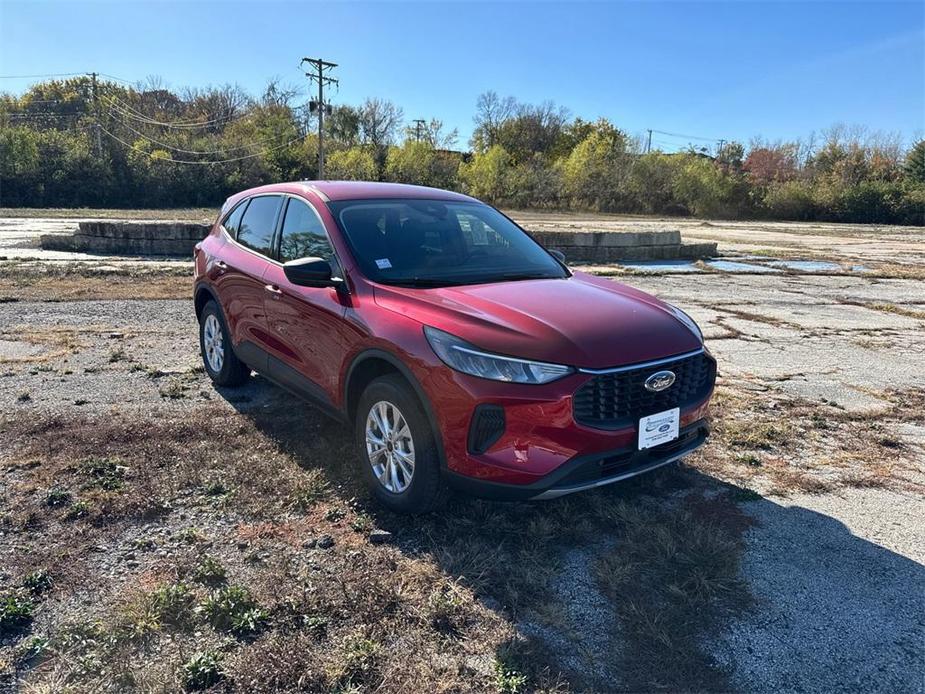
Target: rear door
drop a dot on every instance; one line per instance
(310, 336)
(238, 275)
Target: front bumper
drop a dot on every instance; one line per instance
(541, 438)
(589, 471)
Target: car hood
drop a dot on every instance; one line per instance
(582, 321)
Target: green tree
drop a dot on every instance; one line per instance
(353, 164)
(595, 171)
(914, 167)
(488, 175)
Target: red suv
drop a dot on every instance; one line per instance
(461, 351)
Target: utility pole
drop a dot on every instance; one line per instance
(418, 124)
(649, 142)
(96, 109)
(319, 67)
(722, 144)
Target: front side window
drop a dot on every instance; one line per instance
(259, 223)
(303, 235)
(434, 243)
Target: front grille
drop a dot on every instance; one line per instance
(614, 400)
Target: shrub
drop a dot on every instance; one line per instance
(790, 200)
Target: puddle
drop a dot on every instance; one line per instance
(734, 266)
(663, 266)
(807, 265)
(15, 350)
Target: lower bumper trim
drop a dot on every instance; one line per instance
(562, 491)
(588, 472)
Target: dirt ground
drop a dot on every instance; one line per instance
(157, 533)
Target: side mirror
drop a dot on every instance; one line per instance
(558, 255)
(310, 272)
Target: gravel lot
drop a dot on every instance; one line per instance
(838, 578)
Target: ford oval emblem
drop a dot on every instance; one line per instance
(659, 381)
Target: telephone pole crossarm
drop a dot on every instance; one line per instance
(319, 67)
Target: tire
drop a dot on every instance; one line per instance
(425, 490)
(221, 363)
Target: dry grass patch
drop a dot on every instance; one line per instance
(674, 577)
(782, 445)
(213, 547)
(80, 282)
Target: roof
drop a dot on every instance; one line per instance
(361, 190)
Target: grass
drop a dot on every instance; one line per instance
(672, 575)
(784, 445)
(251, 535)
(239, 569)
(898, 310)
(83, 282)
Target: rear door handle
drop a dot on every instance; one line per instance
(274, 290)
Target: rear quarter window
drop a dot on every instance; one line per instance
(259, 224)
(233, 221)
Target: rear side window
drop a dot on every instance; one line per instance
(303, 235)
(233, 221)
(259, 223)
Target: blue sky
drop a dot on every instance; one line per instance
(718, 70)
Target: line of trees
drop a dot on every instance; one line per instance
(75, 143)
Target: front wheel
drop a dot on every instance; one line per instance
(397, 447)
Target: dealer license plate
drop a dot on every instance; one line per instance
(659, 428)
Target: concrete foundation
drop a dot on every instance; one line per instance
(613, 246)
(129, 238)
(178, 239)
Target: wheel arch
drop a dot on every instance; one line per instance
(370, 365)
(201, 296)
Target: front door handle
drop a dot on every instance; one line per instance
(274, 290)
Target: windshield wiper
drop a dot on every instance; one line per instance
(515, 276)
(420, 282)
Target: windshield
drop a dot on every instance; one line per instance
(438, 243)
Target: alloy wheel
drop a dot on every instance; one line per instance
(213, 343)
(389, 446)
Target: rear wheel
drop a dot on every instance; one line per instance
(397, 447)
(223, 367)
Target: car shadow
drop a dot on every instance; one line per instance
(829, 610)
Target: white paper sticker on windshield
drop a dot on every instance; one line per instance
(383, 264)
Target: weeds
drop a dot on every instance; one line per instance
(209, 571)
(232, 609)
(37, 582)
(16, 612)
(202, 671)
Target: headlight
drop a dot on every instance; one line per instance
(461, 356)
(687, 320)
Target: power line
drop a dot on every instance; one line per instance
(318, 76)
(191, 151)
(688, 137)
(202, 163)
(130, 112)
(52, 74)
